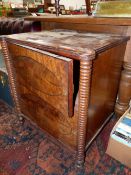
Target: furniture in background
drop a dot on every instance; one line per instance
(38, 9)
(47, 3)
(119, 8)
(19, 12)
(17, 25)
(88, 7)
(12, 26)
(57, 7)
(68, 88)
(4, 86)
(120, 26)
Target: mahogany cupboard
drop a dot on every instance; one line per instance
(115, 25)
(66, 82)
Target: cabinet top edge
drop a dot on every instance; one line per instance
(83, 19)
(72, 44)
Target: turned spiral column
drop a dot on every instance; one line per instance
(84, 92)
(11, 77)
(124, 94)
(57, 6)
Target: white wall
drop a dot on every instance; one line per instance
(14, 1)
(76, 4)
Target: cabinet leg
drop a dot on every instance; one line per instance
(11, 77)
(84, 90)
(124, 93)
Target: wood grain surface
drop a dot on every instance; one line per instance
(117, 25)
(52, 86)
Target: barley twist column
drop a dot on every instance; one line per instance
(57, 6)
(11, 77)
(84, 92)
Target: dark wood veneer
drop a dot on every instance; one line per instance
(117, 25)
(47, 64)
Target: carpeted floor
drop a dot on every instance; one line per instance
(26, 150)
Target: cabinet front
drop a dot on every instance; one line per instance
(45, 88)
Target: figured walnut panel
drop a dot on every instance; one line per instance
(44, 86)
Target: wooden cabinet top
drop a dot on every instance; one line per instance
(72, 44)
(80, 19)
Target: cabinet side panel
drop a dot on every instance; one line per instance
(106, 74)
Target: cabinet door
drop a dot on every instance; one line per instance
(44, 82)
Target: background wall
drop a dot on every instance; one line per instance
(76, 4)
(19, 2)
(14, 1)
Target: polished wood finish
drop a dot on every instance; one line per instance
(48, 98)
(85, 78)
(45, 88)
(80, 19)
(114, 25)
(124, 97)
(97, 62)
(57, 83)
